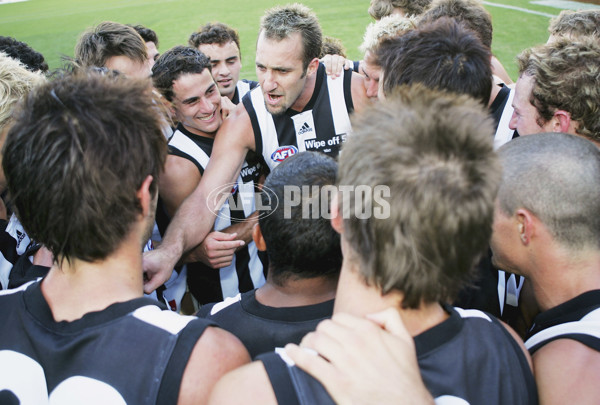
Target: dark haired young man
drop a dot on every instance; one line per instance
(222, 45)
(227, 261)
(82, 162)
(304, 259)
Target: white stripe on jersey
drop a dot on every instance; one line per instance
(163, 319)
(472, 313)
(588, 325)
(341, 119)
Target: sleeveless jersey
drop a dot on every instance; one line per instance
(132, 352)
(577, 319)
(470, 358)
(246, 270)
(13, 244)
(242, 87)
(262, 328)
(322, 125)
(502, 110)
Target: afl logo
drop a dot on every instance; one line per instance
(283, 152)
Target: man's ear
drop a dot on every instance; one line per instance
(562, 121)
(257, 236)
(145, 196)
(337, 221)
(525, 225)
(312, 66)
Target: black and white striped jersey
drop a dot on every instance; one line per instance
(246, 271)
(242, 87)
(322, 126)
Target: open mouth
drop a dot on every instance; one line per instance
(273, 98)
(208, 118)
(225, 82)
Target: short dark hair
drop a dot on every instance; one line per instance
(442, 55)
(177, 61)
(78, 152)
(32, 59)
(296, 246)
(280, 23)
(100, 43)
(470, 13)
(434, 152)
(146, 33)
(214, 33)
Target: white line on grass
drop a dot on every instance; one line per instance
(524, 10)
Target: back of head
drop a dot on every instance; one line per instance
(566, 76)
(300, 242)
(147, 34)
(387, 27)
(15, 82)
(433, 151)
(383, 8)
(214, 33)
(281, 22)
(177, 61)
(95, 46)
(555, 177)
(79, 150)
(442, 55)
(25, 54)
(470, 13)
(332, 46)
(575, 24)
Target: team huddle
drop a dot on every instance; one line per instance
(411, 228)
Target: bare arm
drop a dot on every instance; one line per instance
(216, 353)
(566, 372)
(359, 93)
(246, 385)
(195, 217)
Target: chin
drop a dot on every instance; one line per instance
(275, 110)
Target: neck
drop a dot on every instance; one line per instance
(77, 287)
(195, 131)
(296, 292)
(560, 277)
(355, 297)
(307, 93)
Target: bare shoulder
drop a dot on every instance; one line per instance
(248, 384)
(359, 93)
(216, 353)
(177, 166)
(566, 371)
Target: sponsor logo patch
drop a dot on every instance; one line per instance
(283, 152)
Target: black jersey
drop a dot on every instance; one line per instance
(469, 357)
(262, 328)
(246, 270)
(242, 87)
(132, 352)
(321, 126)
(577, 319)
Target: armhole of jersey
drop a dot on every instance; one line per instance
(176, 152)
(280, 378)
(247, 101)
(168, 393)
(348, 90)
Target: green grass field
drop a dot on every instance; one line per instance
(53, 26)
